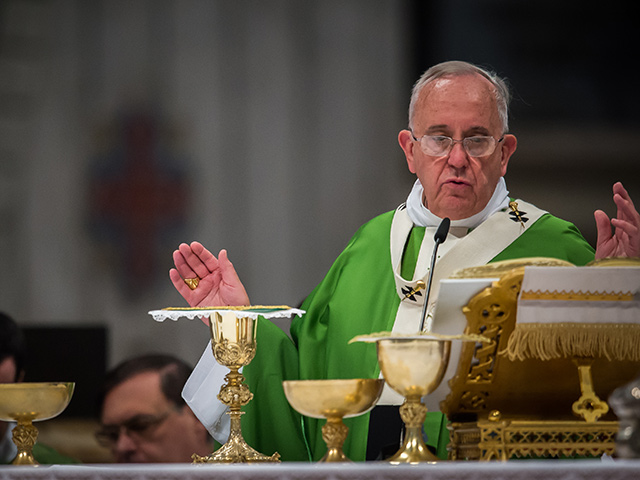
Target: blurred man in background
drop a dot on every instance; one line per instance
(143, 416)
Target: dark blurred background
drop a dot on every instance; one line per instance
(267, 128)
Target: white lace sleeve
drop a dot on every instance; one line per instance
(200, 392)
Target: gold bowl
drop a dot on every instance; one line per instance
(413, 366)
(27, 402)
(333, 399)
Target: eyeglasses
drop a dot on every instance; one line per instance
(441, 145)
(137, 428)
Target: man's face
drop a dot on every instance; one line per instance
(151, 429)
(8, 370)
(457, 185)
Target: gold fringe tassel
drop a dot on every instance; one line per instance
(566, 340)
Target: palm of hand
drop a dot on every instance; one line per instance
(610, 248)
(625, 241)
(214, 291)
(218, 284)
(619, 245)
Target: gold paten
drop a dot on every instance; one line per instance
(525, 406)
(233, 340)
(238, 308)
(377, 336)
(26, 403)
(413, 367)
(333, 400)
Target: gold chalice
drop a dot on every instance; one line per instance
(333, 400)
(233, 339)
(26, 403)
(413, 367)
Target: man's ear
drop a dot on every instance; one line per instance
(509, 145)
(405, 139)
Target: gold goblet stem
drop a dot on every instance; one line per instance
(334, 433)
(24, 437)
(235, 394)
(413, 413)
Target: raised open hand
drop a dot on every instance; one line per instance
(625, 242)
(218, 283)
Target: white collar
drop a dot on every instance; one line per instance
(422, 216)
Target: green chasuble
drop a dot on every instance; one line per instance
(46, 455)
(357, 296)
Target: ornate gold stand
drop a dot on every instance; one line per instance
(235, 394)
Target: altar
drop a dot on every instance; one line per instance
(464, 470)
(517, 433)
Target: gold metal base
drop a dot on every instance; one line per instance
(235, 394)
(334, 433)
(236, 450)
(413, 449)
(24, 437)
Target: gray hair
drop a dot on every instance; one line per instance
(455, 69)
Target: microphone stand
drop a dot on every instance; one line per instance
(439, 237)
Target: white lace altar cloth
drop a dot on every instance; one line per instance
(463, 470)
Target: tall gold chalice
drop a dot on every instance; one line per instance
(413, 366)
(26, 403)
(333, 400)
(233, 340)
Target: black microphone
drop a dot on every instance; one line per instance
(439, 237)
